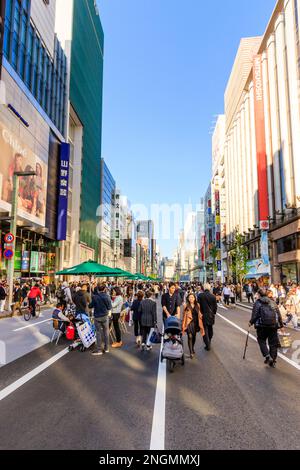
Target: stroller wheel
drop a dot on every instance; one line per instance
(170, 365)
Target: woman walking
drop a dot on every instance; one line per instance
(117, 304)
(136, 317)
(192, 322)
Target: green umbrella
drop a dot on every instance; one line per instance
(88, 268)
(117, 272)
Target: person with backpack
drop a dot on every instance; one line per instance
(267, 319)
(208, 306)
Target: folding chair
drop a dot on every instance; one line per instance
(57, 333)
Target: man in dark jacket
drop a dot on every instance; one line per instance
(208, 306)
(148, 309)
(170, 303)
(267, 319)
(101, 303)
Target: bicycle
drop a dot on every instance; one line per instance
(28, 311)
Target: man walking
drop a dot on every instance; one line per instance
(267, 319)
(101, 303)
(170, 303)
(208, 307)
(148, 309)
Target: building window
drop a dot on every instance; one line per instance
(45, 77)
(288, 244)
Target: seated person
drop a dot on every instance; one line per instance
(58, 314)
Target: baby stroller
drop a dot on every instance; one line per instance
(85, 333)
(172, 349)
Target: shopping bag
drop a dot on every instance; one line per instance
(154, 337)
(86, 334)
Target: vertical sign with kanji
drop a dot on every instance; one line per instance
(63, 188)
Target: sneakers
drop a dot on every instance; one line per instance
(97, 353)
(143, 347)
(267, 360)
(272, 364)
(149, 348)
(106, 351)
(117, 345)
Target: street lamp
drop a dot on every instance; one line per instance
(13, 229)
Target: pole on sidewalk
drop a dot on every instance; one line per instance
(13, 230)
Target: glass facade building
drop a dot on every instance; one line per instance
(86, 97)
(44, 76)
(108, 187)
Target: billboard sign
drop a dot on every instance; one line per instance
(16, 156)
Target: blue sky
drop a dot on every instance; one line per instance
(167, 63)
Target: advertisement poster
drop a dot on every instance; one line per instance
(15, 156)
(34, 262)
(257, 268)
(18, 260)
(42, 263)
(25, 261)
(50, 263)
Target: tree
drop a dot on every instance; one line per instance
(214, 255)
(239, 255)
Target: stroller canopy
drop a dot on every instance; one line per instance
(173, 325)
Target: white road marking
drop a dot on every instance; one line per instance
(23, 380)
(159, 413)
(33, 324)
(284, 358)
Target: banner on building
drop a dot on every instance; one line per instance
(264, 244)
(63, 191)
(257, 268)
(260, 133)
(25, 261)
(34, 262)
(18, 261)
(16, 156)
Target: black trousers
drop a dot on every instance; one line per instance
(250, 296)
(137, 328)
(269, 335)
(192, 341)
(145, 333)
(32, 304)
(116, 317)
(226, 299)
(209, 332)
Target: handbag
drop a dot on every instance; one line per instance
(154, 336)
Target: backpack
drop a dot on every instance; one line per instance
(268, 315)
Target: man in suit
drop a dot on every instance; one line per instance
(148, 310)
(208, 306)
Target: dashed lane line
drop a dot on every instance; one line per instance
(284, 358)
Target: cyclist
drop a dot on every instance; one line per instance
(32, 297)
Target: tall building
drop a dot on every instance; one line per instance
(209, 234)
(145, 241)
(106, 236)
(78, 25)
(219, 198)
(262, 147)
(33, 134)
